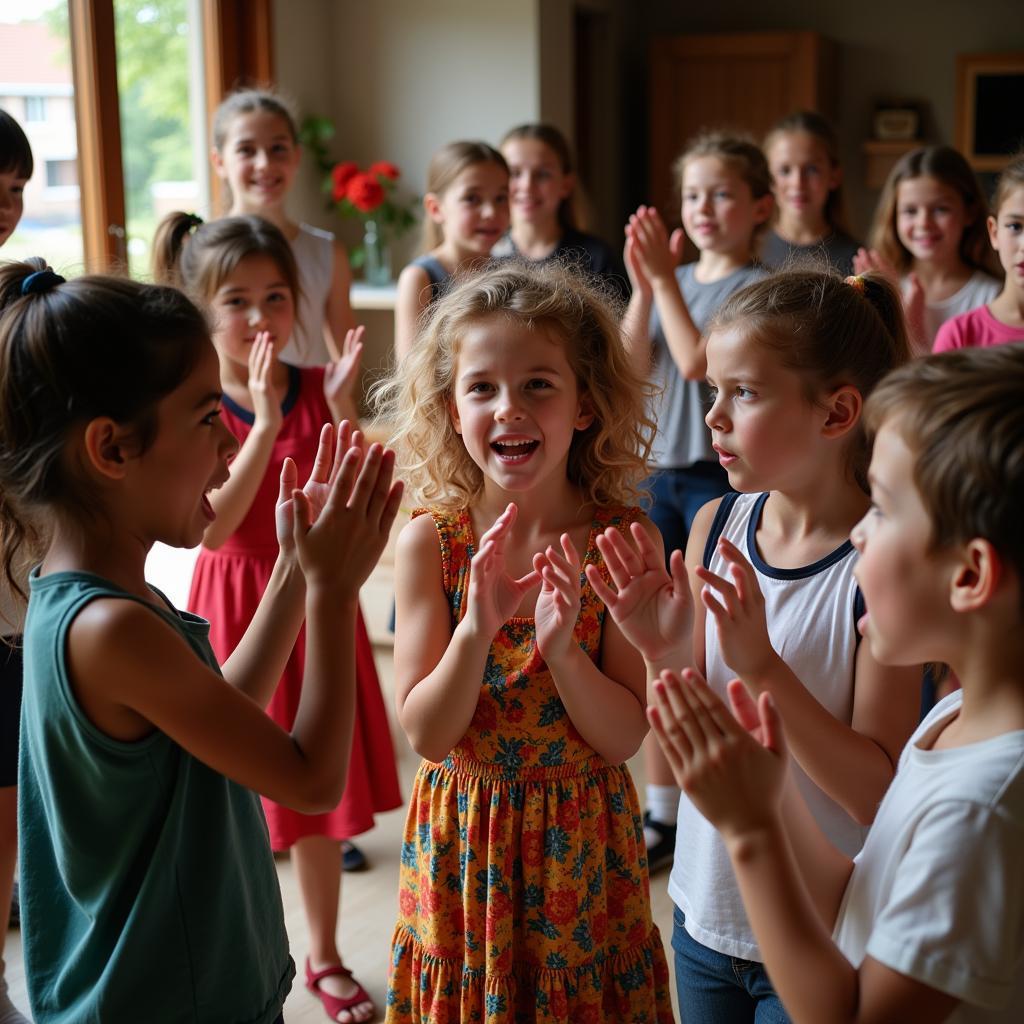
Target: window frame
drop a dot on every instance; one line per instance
(238, 48)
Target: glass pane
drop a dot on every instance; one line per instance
(160, 86)
(36, 90)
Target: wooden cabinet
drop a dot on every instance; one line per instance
(741, 81)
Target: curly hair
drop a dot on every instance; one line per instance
(607, 460)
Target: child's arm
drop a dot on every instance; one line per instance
(606, 702)
(233, 501)
(338, 317)
(132, 673)
(659, 255)
(438, 669)
(854, 764)
(636, 321)
(736, 780)
(412, 298)
(340, 378)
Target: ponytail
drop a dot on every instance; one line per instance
(171, 235)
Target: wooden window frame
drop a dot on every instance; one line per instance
(239, 49)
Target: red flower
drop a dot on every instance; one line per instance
(341, 175)
(364, 192)
(637, 934)
(599, 927)
(533, 848)
(485, 717)
(561, 906)
(515, 713)
(590, 1013)
(559, 1002)
(384, 169)
(407, 902)
(569, 815)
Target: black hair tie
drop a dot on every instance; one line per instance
(41, 281)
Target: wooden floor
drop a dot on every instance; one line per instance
(369, 899)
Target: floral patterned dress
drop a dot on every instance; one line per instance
(524, 891)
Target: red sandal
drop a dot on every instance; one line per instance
(332, 1004)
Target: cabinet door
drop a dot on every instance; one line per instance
(737, 81)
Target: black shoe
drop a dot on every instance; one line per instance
(661, 853)
(15, 919)
(352, 858)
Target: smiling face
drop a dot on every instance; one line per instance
(12, 188)
(516, 403)
(258, 160)
(719, 211)
(802, 175)
(1006, 233)
(473, 210)
(905, 585)
(254, 297)
(930, 219)
(765, 430)
(187, 459)
(537, 182)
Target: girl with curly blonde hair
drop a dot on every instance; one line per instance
(524, 880)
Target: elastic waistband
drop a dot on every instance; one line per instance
(528, 773)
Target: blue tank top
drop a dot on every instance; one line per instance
(148, 890)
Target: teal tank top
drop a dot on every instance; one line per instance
(148, 890)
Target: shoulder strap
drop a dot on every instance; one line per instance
(722, 514)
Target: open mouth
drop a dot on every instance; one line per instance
(514, 451)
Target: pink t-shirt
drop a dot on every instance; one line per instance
(977, 328)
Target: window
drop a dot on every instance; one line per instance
(62, 173)
(35, 108)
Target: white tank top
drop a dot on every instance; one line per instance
(314, 254)
(812, 617)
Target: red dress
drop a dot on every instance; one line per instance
(226, 588)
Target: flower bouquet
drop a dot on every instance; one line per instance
(369, 195)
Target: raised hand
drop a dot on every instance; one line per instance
(330, 453)
(340, 376)
(265, 405)
(652, 607)
(732, 766)
(638, 279)
(738, 610)
(558, 603)
(339, 547)
(494, 595)
(865, 260)
(655, 251)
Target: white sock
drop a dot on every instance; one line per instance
(9, 1013)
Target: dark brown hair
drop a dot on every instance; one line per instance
(946, 165)
(831, 331)
(811, 123)
(15, 152)
(93, 346)
(961, 414)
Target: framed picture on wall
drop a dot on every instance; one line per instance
(989, 101)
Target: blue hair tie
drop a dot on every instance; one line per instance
(41, 281)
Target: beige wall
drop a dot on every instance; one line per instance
(904, 49)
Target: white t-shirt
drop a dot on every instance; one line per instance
(937, 893)
(979, 289)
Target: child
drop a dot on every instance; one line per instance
(466, 208)
(927, 923)
(929, 233)
(524, 889)
(544, 197)
(256, 153)
(148, 886)
(791, 359)
(726, 200)
(807, 180)
(1002, 320)
(16, 167)
(242, 268)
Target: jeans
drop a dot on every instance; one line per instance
(677, 495)
(714, 988)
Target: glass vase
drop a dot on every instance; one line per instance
(376, 255)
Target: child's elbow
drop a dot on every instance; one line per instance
(320, 796)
